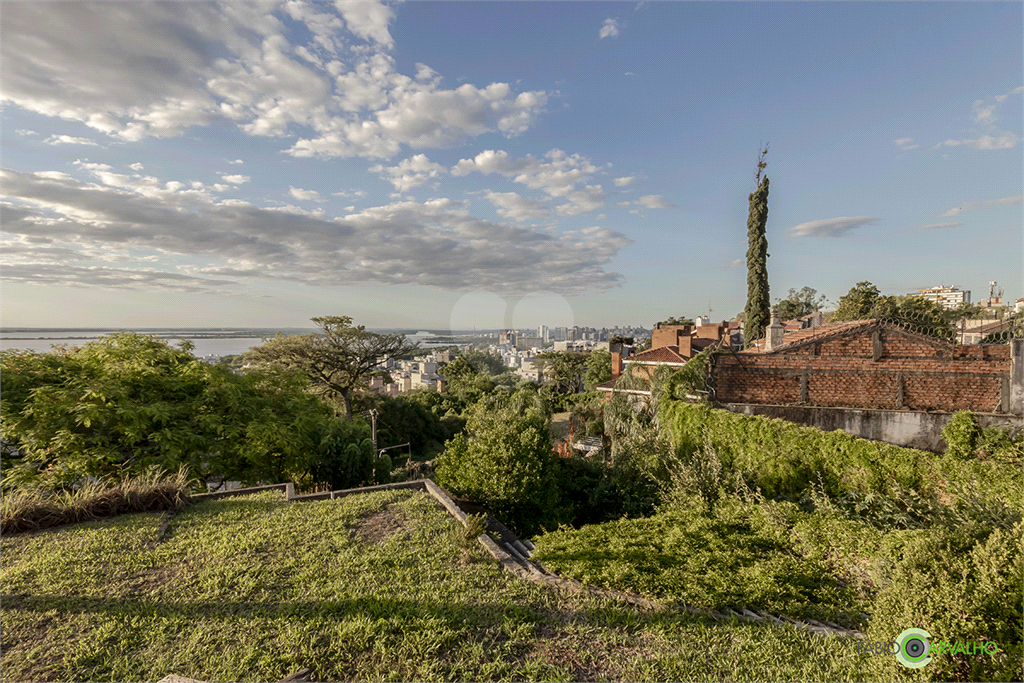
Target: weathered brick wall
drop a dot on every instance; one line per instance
(897, 370)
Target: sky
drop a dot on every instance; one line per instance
(487, 164)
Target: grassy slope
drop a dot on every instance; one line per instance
(254, 589)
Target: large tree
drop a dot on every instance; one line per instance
(865, 301)
(339, 359)
(757, 312)
(798, 304)
(565, 370)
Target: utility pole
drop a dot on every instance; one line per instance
(373, 427)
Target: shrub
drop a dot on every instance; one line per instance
(957, 589)
(504, 461)
(961, 434)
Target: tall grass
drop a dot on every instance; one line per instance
(34, 509)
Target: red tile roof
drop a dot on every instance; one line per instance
(665, 354)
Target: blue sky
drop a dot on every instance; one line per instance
(427, 164)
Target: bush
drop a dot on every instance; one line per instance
(961, 434)
(958, 589)
(504, 461)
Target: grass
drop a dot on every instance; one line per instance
(370, 587)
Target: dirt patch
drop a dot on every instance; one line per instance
(153, 578)
(378, 527)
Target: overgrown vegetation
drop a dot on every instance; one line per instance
(767, 514)
(129, 402)
(370, 587)
(33, 509)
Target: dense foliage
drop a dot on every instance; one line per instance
(797, 304)
(504, 460)
(128, 402)
(864, 301)
(756, 313)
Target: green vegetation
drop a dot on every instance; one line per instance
(33, 509)
(798, 304)
(757, 313)
(766, 514)
(338, 360)
(129, 402)
(864, 301)
(371, 587)
(681, 320)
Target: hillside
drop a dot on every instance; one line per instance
(374, 586)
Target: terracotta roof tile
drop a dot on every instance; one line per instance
(665, 354)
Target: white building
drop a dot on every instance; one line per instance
(947, 297)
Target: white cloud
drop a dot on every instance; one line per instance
(985, 142)
(511, 205)
(235, 179)
(137, 166)
(69, 140)
(934, 226)
(399, 243)
(830, 227)
(236, 161)
(622, 203)
(304, 195)
(558, 176)
(157, 69)
(590, 198)
(25, 131)
(411, 172)
(974, 206)
(609, 29)
(906, 143)
(654, 201)
(624, 181)
(737, 263)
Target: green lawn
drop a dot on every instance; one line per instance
(371, 587)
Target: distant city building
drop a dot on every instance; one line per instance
(947, 297)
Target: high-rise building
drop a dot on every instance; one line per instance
(947, 297)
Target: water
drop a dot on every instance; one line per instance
(206, 341)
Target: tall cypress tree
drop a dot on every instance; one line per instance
(757, 313)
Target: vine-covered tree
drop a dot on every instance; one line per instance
(757, 312)
(339, 359)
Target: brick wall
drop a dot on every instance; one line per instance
(870, 367)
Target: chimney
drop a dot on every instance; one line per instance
(776, 334)
(616, 362)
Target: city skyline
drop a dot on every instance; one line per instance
(497, 165)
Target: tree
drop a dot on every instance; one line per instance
(599, 368)
(798, 304)
(339, 359)
(864, 301)
(464, 381)
(504, 461)
(565, 370)
(757, 310)
(858, 303)
(128, 402)
(675, 321)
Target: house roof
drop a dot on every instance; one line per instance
(610, 387)
(664, 354)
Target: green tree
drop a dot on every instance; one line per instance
(858, 303)
(599, 368)
(675, 321)
(464, 381)
(484, 362)
(128, 402)
(339, 359)
(864, 301)
(758, 303)
(798, 304)
(504, 461)
(565, 370)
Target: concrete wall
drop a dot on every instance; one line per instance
(911, 429)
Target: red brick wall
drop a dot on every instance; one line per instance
(841, 372)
